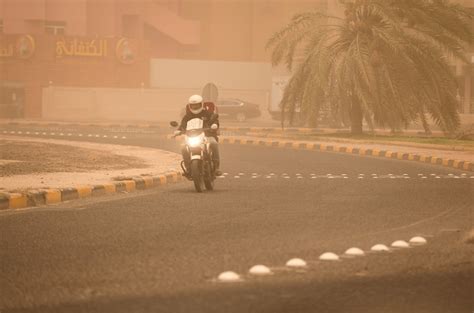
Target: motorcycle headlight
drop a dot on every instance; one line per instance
(194, 141)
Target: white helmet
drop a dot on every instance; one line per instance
(195, 104)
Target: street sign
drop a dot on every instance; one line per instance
(210, 93)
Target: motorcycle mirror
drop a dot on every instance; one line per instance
(174, 124)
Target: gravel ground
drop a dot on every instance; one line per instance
(20, 158)
(32, 163)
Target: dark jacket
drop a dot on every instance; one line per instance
(208, 119)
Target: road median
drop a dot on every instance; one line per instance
(64, 170)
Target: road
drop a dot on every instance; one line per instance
(161, 250)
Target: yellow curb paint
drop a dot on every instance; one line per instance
(162, 179)
(17, 201)
(411, 157)
(109, 188)
(148, 181)
(174, 178)
(52, 196)
(130, 185)
(84, 191)
(466, 165)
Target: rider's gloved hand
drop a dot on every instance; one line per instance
(177, 132)
(214, 126)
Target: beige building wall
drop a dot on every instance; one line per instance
(238, 30)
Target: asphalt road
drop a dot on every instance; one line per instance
(161, 250)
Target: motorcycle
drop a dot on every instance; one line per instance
(201, 170)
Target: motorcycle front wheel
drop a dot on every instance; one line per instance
(209, 177)
(197, 175)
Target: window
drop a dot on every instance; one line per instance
(54, 27)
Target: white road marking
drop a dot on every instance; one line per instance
(296, 263)
(418, 240)
(354, 252)
(228, 277)
(260, 270)
(329, 256)
(379, 248)
(400, 244)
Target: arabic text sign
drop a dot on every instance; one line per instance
(75, 47)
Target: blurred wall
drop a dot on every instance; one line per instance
(122, 104)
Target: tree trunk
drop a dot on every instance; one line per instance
(356, 118)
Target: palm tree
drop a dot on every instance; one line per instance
(385, 61)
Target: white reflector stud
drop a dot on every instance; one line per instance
(354, 252)
(296, 263)
(379, 248)
(329, 256)
(228, 277)
(260, 270)
(400, 244)
(418, 240)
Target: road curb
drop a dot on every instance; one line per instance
(39, 197)
(355, 150)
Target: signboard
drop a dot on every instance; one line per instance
(84, 48)
(23, 48)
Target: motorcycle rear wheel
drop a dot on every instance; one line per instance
(197, 175)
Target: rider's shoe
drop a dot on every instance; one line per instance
(217, 172)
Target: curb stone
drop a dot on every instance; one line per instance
(33, 198)
(349, 149)
(457, 164)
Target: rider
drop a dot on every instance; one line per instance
(195, 109)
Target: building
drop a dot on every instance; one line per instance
(59, 53)
(47, 44)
